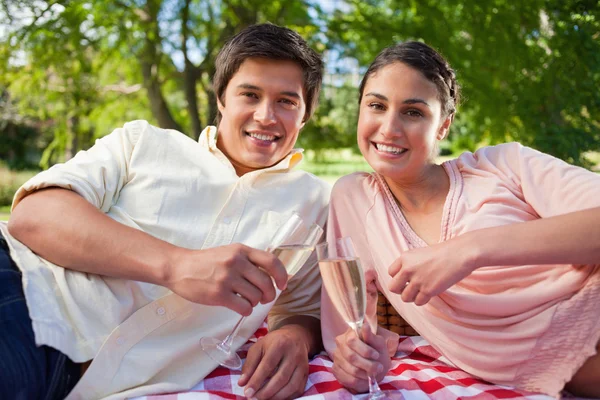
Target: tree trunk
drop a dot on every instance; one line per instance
(158, 105)
(150, 62)
(190, 75)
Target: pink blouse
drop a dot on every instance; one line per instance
(530, 326)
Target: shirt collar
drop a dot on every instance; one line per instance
(208, 140)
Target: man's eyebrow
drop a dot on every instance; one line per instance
(407, 101)
(254, 87)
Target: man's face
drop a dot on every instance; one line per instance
(262, 113)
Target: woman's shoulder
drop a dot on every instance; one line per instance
(492, 153)
(355, 184)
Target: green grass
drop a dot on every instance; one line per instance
(331, 165)
(4, 213)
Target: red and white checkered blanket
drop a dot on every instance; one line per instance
(418, 372)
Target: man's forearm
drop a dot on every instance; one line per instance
(310, 329)
(63, 228)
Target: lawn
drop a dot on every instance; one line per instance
(4, 213)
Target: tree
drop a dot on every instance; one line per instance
(528, 69)
(86, 56)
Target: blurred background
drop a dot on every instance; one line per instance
(72, 71)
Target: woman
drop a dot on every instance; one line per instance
(493, 257)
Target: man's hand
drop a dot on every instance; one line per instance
(235, 276)
(354, 360)
(277, 365)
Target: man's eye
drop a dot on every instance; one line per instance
(414, 113)
(288, 102)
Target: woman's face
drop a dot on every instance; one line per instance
(400, 120)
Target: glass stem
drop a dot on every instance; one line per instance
(375, 392)
(228, 341)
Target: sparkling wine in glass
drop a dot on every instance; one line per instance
(292, 244)
(344, 280)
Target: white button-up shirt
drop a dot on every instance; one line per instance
(144, 338)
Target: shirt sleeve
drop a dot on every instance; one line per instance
(97, 174)
(549, 185)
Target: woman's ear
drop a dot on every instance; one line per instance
(445, 127)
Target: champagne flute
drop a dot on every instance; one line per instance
(292, 244)
(344, 280)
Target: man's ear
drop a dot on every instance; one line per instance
(445, 127)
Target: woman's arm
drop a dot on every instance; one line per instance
(572, 238)
(422, 273)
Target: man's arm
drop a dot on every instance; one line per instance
(65, 229)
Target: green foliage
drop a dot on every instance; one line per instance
(71, 72)
(529, 70)
(334, 123)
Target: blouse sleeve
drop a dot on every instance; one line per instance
(549, 185)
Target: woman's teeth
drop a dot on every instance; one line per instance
(389, 149)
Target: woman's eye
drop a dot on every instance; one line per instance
(376, 106)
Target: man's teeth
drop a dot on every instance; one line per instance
(389, 149)
(262, 137)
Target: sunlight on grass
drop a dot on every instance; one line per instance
(4, 213)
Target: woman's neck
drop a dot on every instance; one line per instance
(422, 194)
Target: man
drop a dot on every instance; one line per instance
(147, 227)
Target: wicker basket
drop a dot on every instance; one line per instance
(389, 318)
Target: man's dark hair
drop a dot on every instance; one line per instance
(270, 42)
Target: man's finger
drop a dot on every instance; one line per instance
(280, 379)
(271, 265)
(262, 281)
(238, 304)
(266, 367)
(252, 361)
(295, 386)
(248, 291)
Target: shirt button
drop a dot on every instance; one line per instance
(226, 220)
(160, 310)
(120, 341)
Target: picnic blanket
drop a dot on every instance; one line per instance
(418, 372)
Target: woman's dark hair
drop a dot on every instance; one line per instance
(270, 42)
(425, 60)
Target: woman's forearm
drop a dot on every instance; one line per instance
(572, 238)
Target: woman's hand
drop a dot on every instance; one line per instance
(422, 273)
(354, 360)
